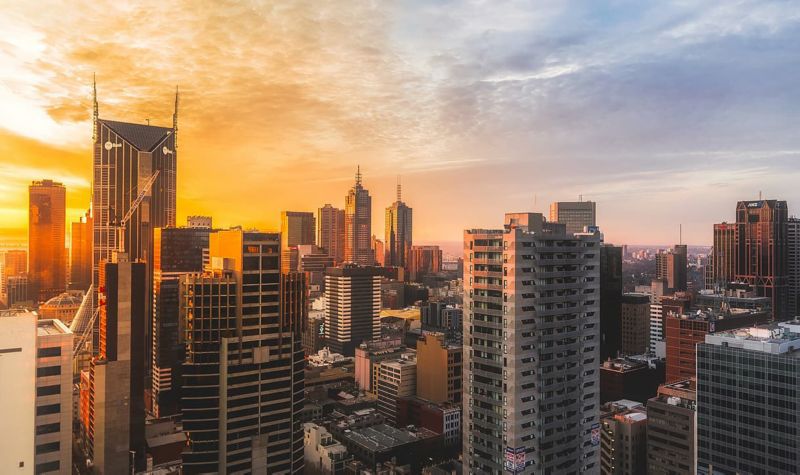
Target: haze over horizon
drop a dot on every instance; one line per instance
(661, 113)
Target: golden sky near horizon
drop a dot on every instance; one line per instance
(480, 109)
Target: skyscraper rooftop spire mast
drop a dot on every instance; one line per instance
(175, 118)
(399, 190)
(95, 108)
(358, 176)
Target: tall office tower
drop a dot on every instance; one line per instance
(125, 158)
(358, 225)
(682, 333)
(116, 375)
(176, 251)
(46, 238)
(14, 263)
(297, 228)
(623, 439)
(331, 232)
(18, 291)
(424, 260)
(671, 429)
(53, 397)
(438, 369)
(531, 348)
(635, 323)
(575, 214)
(610, 301)
(80, 274)
(762, 251)
(243, 381)
(671, 265)
(378, 251)
(396, 379)
(352, 307)
(18, 397)
(199, 222)
(747, 409)
(793, 264)
(723, 255)
(398, 232)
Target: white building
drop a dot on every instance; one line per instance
(531, 348)
(53, 397)
(18, 391)
(323, 454)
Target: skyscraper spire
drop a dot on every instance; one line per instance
(175, 119)
(358, 176)
(95, 109)
(399, 190)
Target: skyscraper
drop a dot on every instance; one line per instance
(671, 265)
(80, 275)
(532, 358)
(762, 251)
(398, 232)
(176, 251)
(747, 408)
(117, 412)
(352, 307)
(610, 301)
(575, 214)
(126, 156)
(723, 255)
(793, 263)
(635, 323)
(242, 324)
(358, 225)
(46, 239)
(297, 228)
(331, 232)
(424, 260)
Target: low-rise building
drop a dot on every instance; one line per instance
(623, 438)
(324, 455)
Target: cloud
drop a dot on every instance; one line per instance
(623, 101)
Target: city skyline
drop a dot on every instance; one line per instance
(677, 120)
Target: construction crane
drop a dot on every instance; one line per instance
(134, 206)
(88, 327)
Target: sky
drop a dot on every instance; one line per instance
(661, 112)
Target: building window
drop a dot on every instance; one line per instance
(48, 409)
(48, 371)
(46, 352)
(48, 390)
(47, 448)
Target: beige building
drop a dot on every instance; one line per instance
(53, 397)
(322, 453)
(438, 362)
(396, 379)
(575, 214)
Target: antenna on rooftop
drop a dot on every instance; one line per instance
(680, 233)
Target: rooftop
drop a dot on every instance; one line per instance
(143, 137)
(780, 338)
(51, 327)
(382, 437)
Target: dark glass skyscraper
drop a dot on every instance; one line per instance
(398, 233)
(610, 301)
(243, 387)
(358, 225)
(126, 155)
(176, 251)
(46, 251)
(762, 251)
